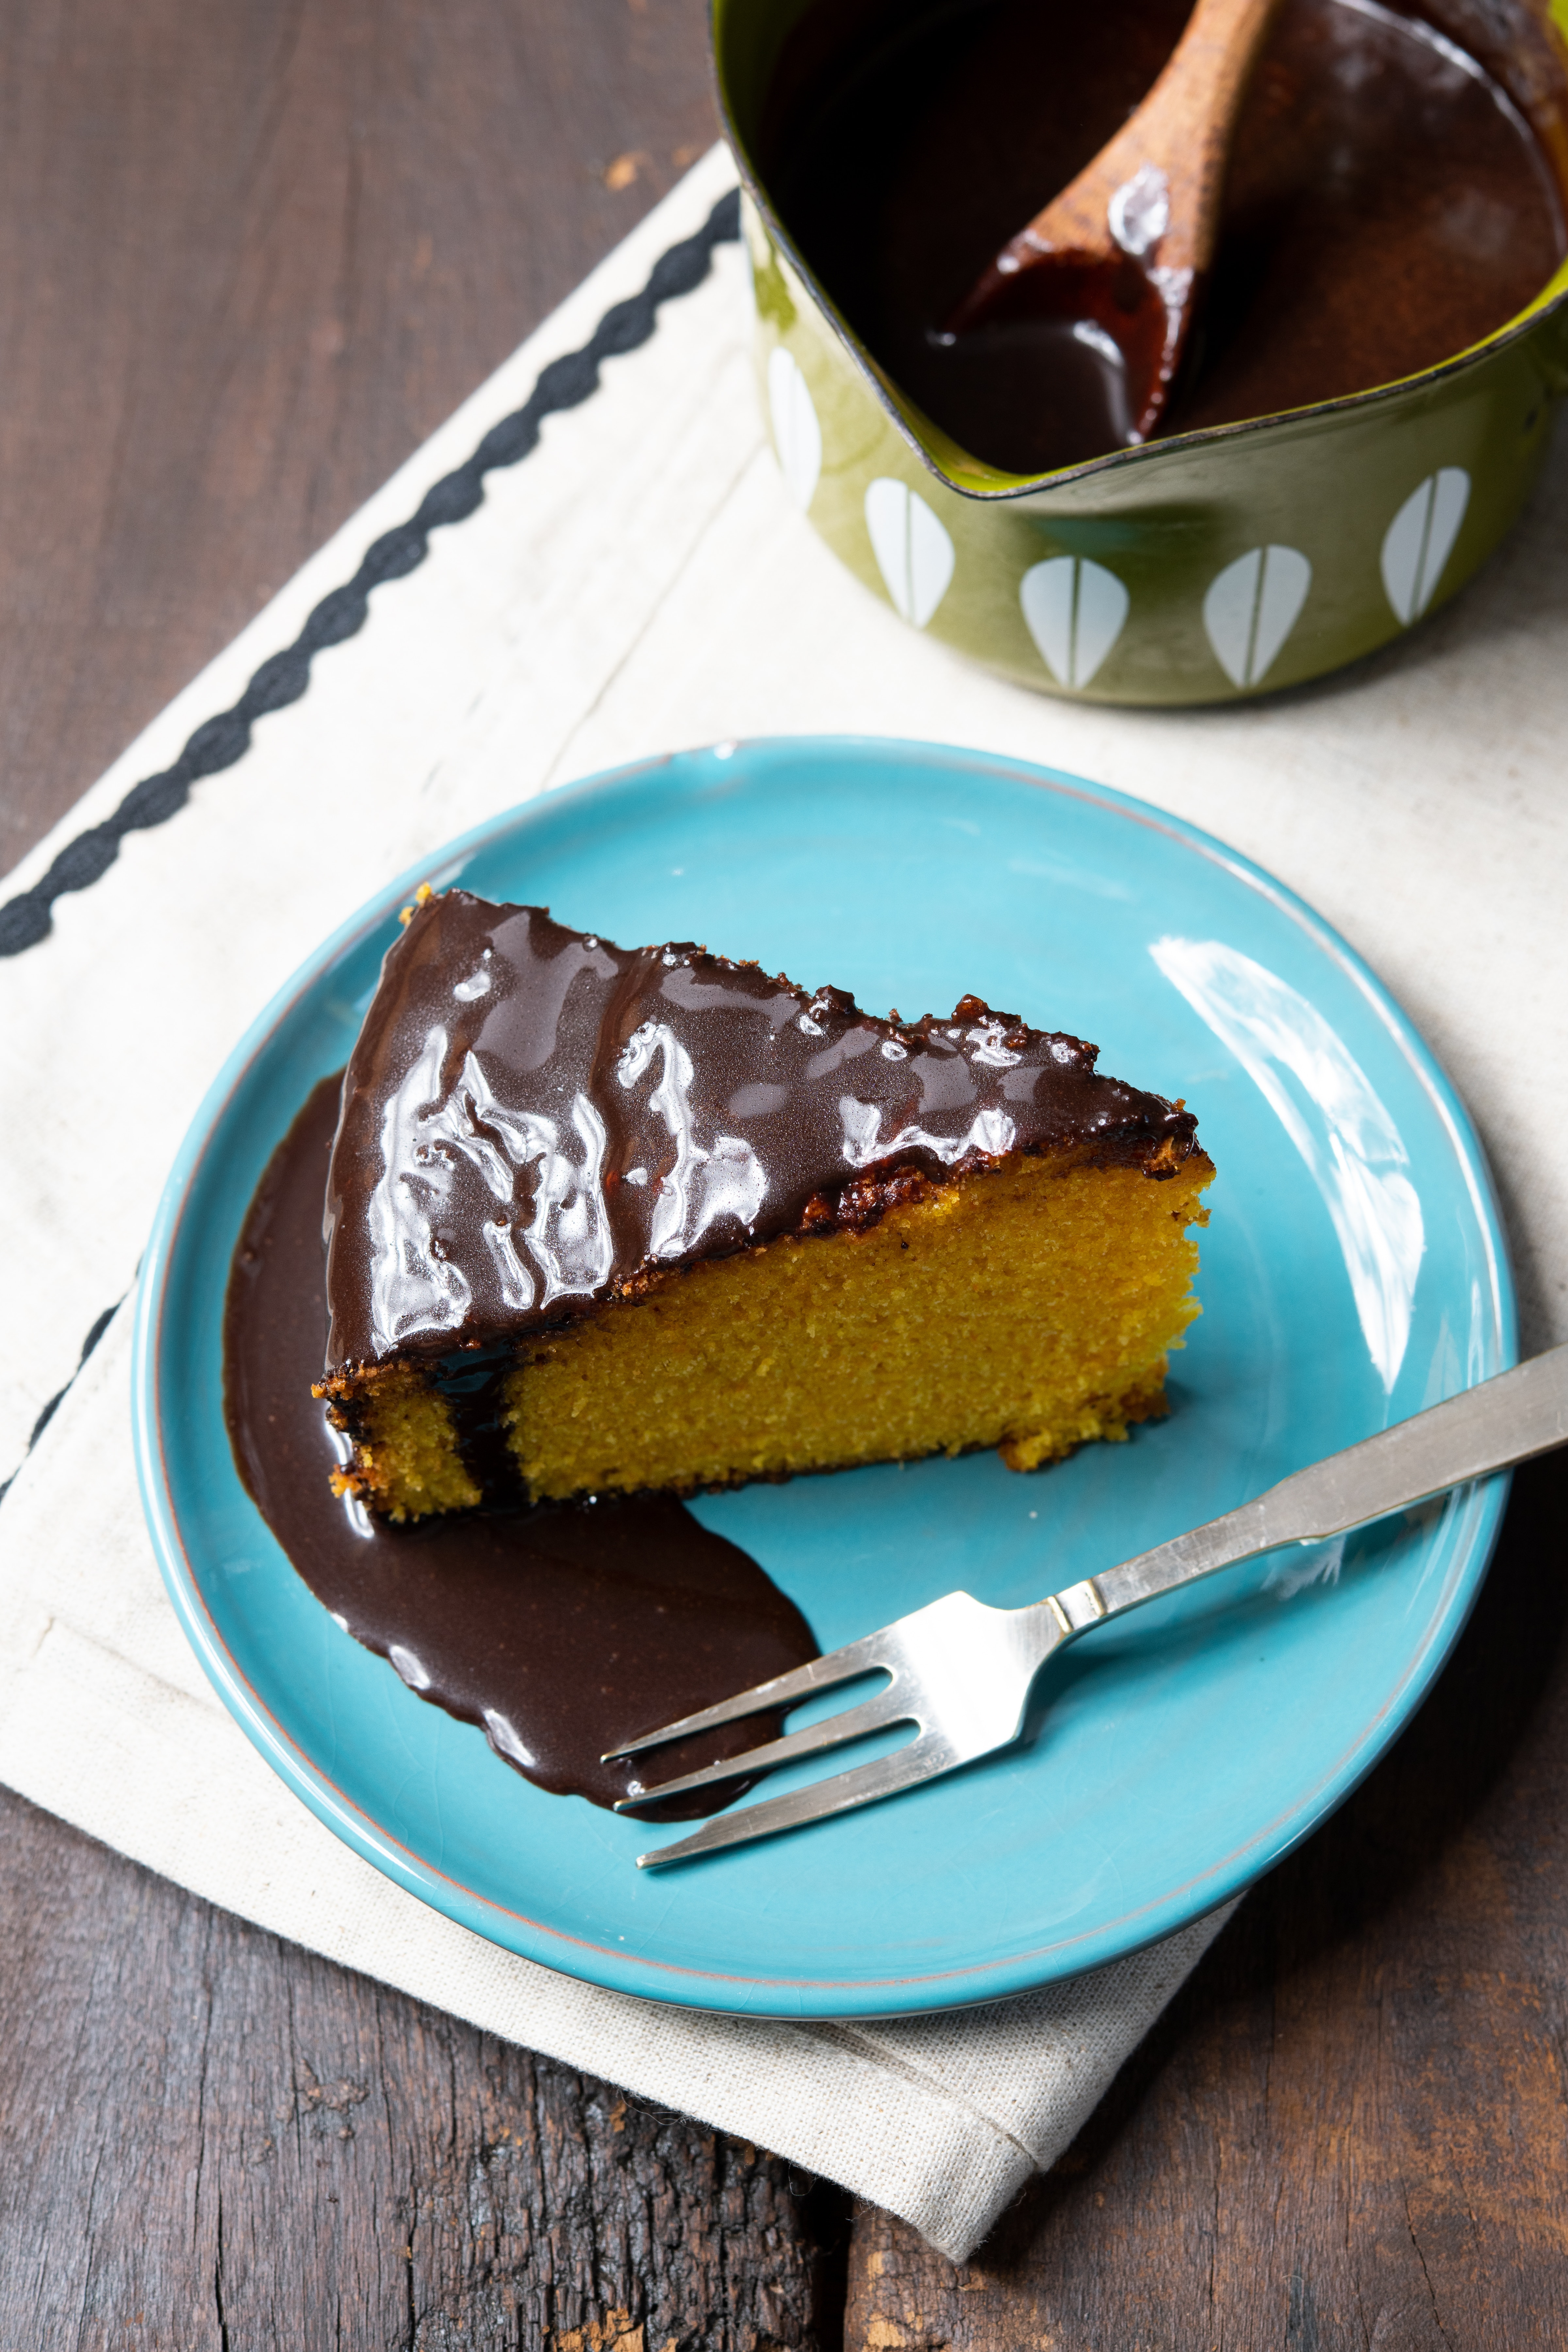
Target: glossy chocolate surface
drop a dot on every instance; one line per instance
(1386, 205)
(532, 1119)
(560, 1631)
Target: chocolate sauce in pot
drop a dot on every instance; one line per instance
(1385, 207)
(558, 1631)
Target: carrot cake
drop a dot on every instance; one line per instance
(606, 1219)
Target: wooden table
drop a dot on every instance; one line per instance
(249, 257)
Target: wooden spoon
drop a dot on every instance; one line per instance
(1120, 257)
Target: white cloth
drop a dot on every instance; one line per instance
(642, 582)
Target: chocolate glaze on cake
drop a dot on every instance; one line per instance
(535, 1121)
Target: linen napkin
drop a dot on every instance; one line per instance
(619, 570)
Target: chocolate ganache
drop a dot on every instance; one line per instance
(1389, 201)
(558, 1631)
(533, 1121)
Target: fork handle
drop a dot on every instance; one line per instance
(1486, 1428)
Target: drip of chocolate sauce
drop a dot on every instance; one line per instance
(1386, 205)
(558, 1631)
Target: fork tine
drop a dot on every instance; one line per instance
(924, 1758)
(784, 1690)
(873, 1714)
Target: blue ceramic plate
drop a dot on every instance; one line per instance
(1354, 1272)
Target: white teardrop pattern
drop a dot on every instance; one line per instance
(1075, 611)
(913, 551)
(1251, 608)
(1420, 539)
(797, 436)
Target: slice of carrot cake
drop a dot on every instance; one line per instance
(601, 1218)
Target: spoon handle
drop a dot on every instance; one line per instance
(1171, 151)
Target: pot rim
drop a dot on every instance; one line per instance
(999, 487)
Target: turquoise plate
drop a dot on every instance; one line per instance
(1354, 1271)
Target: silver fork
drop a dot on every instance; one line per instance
(962, 1671)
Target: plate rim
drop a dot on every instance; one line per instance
(674, 1983)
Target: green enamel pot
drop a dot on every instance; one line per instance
(1204, 568)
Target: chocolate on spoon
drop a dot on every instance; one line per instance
(1107, 277)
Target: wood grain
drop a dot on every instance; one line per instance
(213, 2140)
(250, 256)
(1351, 2128)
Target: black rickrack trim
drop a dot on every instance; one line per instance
(59, 1396)
(566, 383)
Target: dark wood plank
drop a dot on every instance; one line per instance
(212, 2139)
(249, 257)
(1351, 2129)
